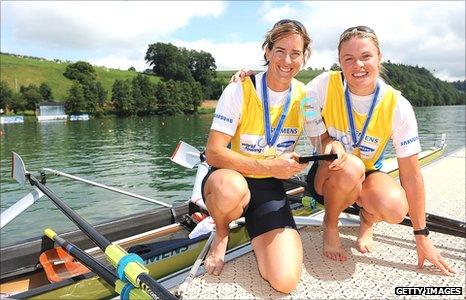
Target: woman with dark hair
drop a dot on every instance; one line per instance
(250, 147)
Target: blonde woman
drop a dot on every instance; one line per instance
(363, 112)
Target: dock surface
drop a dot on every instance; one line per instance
(393, 263)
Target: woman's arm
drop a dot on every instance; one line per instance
(413, 184)
(220, 156)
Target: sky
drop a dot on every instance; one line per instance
(116, 34)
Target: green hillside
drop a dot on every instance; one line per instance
(17, 71)
(419, 86)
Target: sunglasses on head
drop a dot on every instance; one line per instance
(359, 28)
(287, 21)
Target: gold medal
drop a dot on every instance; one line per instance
(270, 152)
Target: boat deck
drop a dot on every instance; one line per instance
(392, 264)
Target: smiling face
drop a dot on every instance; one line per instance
(285, 60)
(360, 63)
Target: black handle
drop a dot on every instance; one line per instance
(305, 159)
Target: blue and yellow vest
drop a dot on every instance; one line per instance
(249, 138)
(378, 132)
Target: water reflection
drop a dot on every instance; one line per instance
(131, 154)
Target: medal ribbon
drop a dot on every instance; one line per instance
(265, 103)
(349, 110)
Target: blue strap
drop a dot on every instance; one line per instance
(271, 140)
(125, 291)
(124, 261)
(349, 109)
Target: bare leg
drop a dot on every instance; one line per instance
(382, 199)
(226, 194)
(364, 243)
(332, 247)
(279, 254)
(340, 189)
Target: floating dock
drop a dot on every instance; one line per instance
(376, 275)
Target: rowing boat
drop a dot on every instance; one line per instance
(160, 237)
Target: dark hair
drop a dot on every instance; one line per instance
(282, 29)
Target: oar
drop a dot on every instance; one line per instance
(434, 223)
(192, 273)
(129, 266)
(16, 209)
(125, 289)
(113, 189)
(433, 226)
(186, 155)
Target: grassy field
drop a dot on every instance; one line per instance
(17, 71)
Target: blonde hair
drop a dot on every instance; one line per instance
(360, 32)
(282, 29)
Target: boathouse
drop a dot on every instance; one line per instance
(50, 111)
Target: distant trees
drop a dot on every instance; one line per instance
(168, 61)
(80, 71)
(460, 85)
(335, 67)
(181, 64)
(140, 96)
(45, 91)
(75, 102)
(83, 74)
(32, 96)
(6, 95)
(122, 97)
(189, 76)
(420, 87)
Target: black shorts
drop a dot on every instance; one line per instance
(268, 207)
(310, 183)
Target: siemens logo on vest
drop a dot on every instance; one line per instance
(371, 139)
(411, 140)
(288, 130)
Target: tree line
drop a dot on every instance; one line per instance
(187, 77)
(420, 86)
(26, 98)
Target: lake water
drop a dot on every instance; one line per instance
(131, 154)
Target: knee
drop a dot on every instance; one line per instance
(229, 188)
(233, 187)
(350, 176)
(398, 207)
(285, 282)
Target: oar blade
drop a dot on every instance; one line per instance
(18, 170)
(186, 155)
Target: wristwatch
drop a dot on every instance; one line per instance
(424, 231)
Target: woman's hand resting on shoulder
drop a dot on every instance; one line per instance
(241, 75)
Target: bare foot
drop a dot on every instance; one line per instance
(365, 243)
(215, 259)
(333, 248)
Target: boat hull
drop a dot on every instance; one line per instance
(21, 277)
